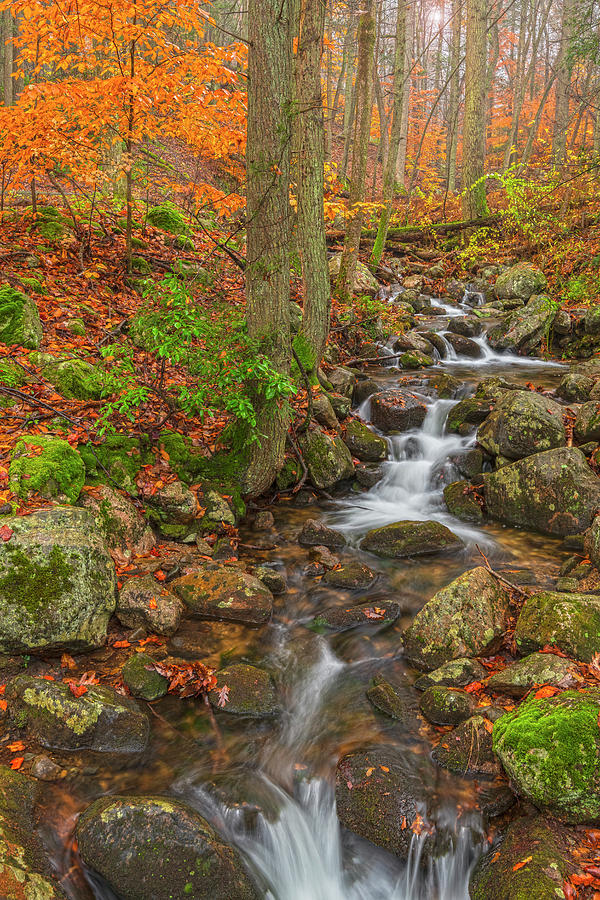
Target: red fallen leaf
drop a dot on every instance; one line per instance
(569, 890)
(2, 688)
(152, 603)
(121, 645)
(593, 870)
(375, 613)
(67, 662)
(3, 705)
(473, 687)
(523, 862)
(78, 690)
(160, 575)
(6, 533)
(17, 762)
(586, 878)
(546, 690)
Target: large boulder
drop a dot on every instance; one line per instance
(48, 465)
(550, 749)
(144, 603)
(466, 618)
(570, 622)
(364, 281)
(364, 443)
(19, 319)
(73, 378)
(521, 280)
(403, 539)
(524, 329)
(397, 410)
(522, 423)
(327, 458)
(554, 492)
(101, 720)
(57, 582)
(575, 387)
(159, 848)
(587, 423)
(225, 592)
(122, 525)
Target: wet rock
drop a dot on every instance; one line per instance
(529, 864)
(468, 326)
(364, 443)
(323, 412)
(550, 749)
(539, 668)
(554, 492)
(592, 542)
(368, 475)
(403, 539)
(342, 380)
(272, 579)
(121, 524)
(224, 592)
(445, 386)
(264, 520)
(352, 577)
(521, 280)
(455, 288)
(364, 281)
(524, 329)
(251, 691)
(466, 618)
(587, 423)
(467, 750)
(325, 557)
(100, 720)
(44, 769)
(48, 465)
(363, 390)
(575, 388)
(316, 534)
(376, 615)
(142, 679)
(466, 413)
(494, 387)
(462, 503)
(57, 582)
(144, 603)
(464, 346)
(470, 464)
(160, 848)
(412, 342)
(570, 622)
(397, 410)
(327, 458)
(455, 673)
(447, 705)
(413, 360)
(522, 423)
(341, 406)
(386, 698)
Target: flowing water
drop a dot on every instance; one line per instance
(268, 785)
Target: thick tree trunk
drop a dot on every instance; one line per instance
(408, 61)
(474, 197)
(454, 101)
(269, 221)
(8, 50)
(564, 68)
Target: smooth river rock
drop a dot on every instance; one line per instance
(407, 538)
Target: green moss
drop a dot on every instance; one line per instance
(51, 230)
(306, 355)
(35, 285)
(140, 265)
(183, 242)
(121, 455)
(167, 217)
(57, 469)
(74, 378)
(19, 319)
(289, 475)
(78, 715)
(138, 244)
(35, 585)
(11, 374)
(76, 326)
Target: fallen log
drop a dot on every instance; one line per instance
(409, 233)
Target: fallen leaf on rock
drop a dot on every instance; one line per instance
(17, 762)
(6, 533)
(523, 862)
(547, 690)
(190, 680)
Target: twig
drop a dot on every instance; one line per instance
(513, 587)
(300, 458)
(309, 392)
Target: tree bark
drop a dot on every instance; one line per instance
(564, 68)
(7, 39)
(474, 197)
(454, 100)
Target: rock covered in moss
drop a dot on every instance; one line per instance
(455, 673)
(327, 458)
(587, 423)
(74, 378)
(19, 319)
(380, 614)
(47, 465)
(364, 281)
(554, 492)
(466, 618)
(271, 578)
(467, 413)
(446, 705)
(142, 679)
(76, 326)
(467, 750)
(404, 539)
(397, 410)
(592, 542)
(342, 380)
(550, 749)
(122, 525)
(159, 847)
(317, 534)
(364, 443)
(525, 328)
(462, 503)
(575, 387)
(535, 670)
(570, 622)
(522, 280)
(324, 412)
(388, 700)
(57, 583)
(167, 217)
(144, 603)
(101, 720)
(225, 592)
(352, 577)
(251, 691)
(522, 423)
(120, 455)
(412, 359)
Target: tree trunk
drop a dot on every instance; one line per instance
(360, 150)
(408, 61)
(269, 222)
(453, 103)
(474, 197)
(564, 68)
(7, 40)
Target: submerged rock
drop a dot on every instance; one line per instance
(327, 458)
(144, 603)
(379, 614)
(317, 534)
(536, 669)
(466, 618)
(464, 346)
(570, 622)
(387, 700)
(364, 443)
(251, 691)
(554, 492)
(402, 539)
(160, 848)
(224, 592)
(142, 679)
(523, 423)
(397, 410)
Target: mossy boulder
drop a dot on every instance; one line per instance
(327, 458)
(587, 423)
(225, 592)
(11, 374)
(446, 705)
(352, 577)
(364, 281)
(101, 720)
(48, 465)
(160, 848)
(529, 864)
(412, 359)
(403, 539)
(173, 509)
(467, 750)
(521, 280)
(535, 670)
(388, 700)
(57, 583)
(144, 603)
(592, 542)
(317, 534)
(591, 322)
(462, 503)
(120, 455)
(371, 615)
(524, 329)
(554, 492)
(122, 525)
(522, 423)
(575, 387)
(191, 271)
(251, 691)
(570, 622)
(167, 217)
(364, 443)
(397, 410)
(466, 618)
(455, 673)
(550, 749)
(142, 679)
(466, 414)
(19, 319)
(76, 326)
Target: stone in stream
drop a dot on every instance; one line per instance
(403, 539)
(522, 280)
(465, 618)
(554, 492)
(412, 359)
(592, 542)
(101, 720)
(353, 576)
(464, 346)
(225, 592)
(368, 475)
(462, 503)
(271, 578)
(446, 386)
(537, 669)
(468, 413)
(397, 410)
(57, 582)
(575, 387)
(378, 614)
(587, 423)
(122, 525)
(522, 423)
(455, 673)
(342, 380)
(468, 326)
(363, 390)
(525, 329)
(412, 341)
(316, 534)
(251, 691)
(385, 697)
(570, 622)
(142, 679)
(341, 406)
(447, 705)
(467, 750)
(323, 412)
(530, 864)
(494, 387)
(144, 603)
(159, 848)
(550, 750)
(327, 458)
